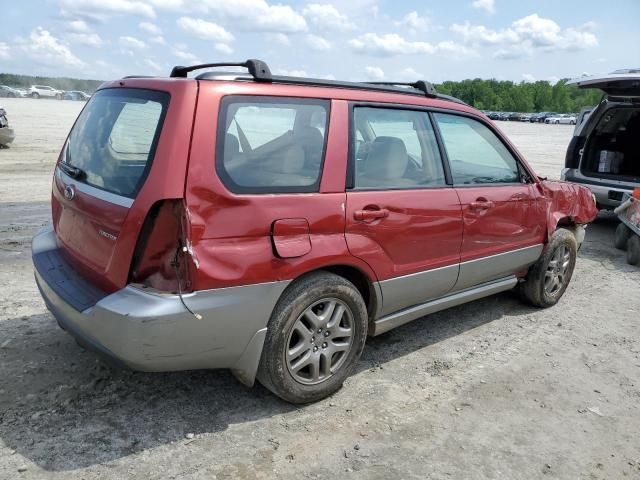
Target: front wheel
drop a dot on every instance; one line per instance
(35, 95)
(314, 338)
(549, 277)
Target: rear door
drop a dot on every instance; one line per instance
(504, 215)
(402, 217)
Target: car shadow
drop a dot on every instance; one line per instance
(64, 409)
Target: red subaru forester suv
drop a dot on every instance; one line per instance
(268, 224)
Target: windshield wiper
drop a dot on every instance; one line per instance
(73, 172)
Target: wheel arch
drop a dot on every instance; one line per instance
(363, 281)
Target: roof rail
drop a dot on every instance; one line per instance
(258, 69)
(422, 85)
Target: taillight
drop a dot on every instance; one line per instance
(161, 259)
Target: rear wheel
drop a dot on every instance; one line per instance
(35, 95)
(633, 250)
(58, 96)
(314, 339)
(549, 277)
(622, 236)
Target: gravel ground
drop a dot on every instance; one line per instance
(492, 389)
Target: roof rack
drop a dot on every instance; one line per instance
(426, 87)
(258, 69)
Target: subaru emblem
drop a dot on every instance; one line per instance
(69, 192)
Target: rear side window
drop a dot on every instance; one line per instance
(476, 154)
(395, 149)
(113, 142)
(271, 144)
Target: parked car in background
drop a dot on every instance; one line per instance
(6, 134)
(76, 95)
(604, 154)
(514, 117)
(268, 246)
(566, 119)
(525, 117)
(43, 91)
(8, 92)
(542, 116)
(494, 115)
(504, 116)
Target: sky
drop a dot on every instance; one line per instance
(397, 40)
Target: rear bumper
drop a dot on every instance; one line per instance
(602, 189)
(150, 331)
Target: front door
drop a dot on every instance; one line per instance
(503, 219)
(401, 216)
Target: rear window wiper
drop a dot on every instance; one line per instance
(73, 172)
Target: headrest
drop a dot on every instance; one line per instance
(387, 159)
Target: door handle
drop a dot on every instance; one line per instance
(368, 215)
(481, 204)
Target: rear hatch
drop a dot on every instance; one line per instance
(622, 88)
(621, 83)
(102, 168)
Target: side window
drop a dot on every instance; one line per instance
(271, 144)
(476, 154)
(395, 149)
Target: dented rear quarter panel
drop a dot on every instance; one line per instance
(567, 203)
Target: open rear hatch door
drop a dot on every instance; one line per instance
(621, 83)
(102, 167)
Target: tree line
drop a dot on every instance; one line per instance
(507, 96)
(25, 81)
(498, 95)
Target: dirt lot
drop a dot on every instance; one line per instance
(493, 389)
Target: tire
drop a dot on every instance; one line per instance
(633, 250)
(622, 236)
(58, 96)
(572, 122)
(297, 323)
(557, 122)
(35, 95)
(547, 281)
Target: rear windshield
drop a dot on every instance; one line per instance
(113, 142)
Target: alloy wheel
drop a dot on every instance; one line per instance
(320, 341)
(556, 275)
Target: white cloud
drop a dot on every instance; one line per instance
(527, 35)
(158, 39)
(179, 51)
(327, 17)
(98, 8)
(78, 26)
(409, 74)
(388, 44)
(529, 78)
(280, 38)
(374, 73)
(391, 44)
(150, 28)
(44, 47)
(413, 21)
(131, 42)
(488, 6)
(317, 43)
(4, 51)
(223, 48)
(153, 65)
(256, 15)
(205, 30)
(87, 39)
